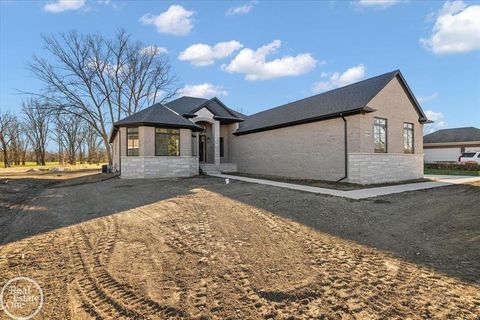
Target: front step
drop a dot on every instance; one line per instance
(209, 172)
(211, 168)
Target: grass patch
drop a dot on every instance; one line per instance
(34, 165)
(452, 172)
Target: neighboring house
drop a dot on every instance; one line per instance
(366, 132)
(446, 145)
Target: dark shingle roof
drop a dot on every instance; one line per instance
(345, 100)
(453, 135)
(184, 105)
(158, 115)
(190, 105)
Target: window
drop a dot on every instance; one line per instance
(468, 154)
(408, 137)
(194, 145)
(222, 148)
(132, 141)
(380, 134)
(167, 142)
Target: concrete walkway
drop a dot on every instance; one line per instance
(437, 181)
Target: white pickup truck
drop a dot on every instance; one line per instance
(470, 156)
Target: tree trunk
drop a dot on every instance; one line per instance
(6, 163)
(108, 149)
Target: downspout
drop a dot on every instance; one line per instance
(345, 148)
(119, 151)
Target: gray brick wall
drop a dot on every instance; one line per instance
(367, 168)
(159, 167)
(311, 151)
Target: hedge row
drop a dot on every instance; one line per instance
(469, 166)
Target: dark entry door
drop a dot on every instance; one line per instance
(203, 148)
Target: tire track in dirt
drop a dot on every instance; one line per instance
(343, 300)
(375, 277)
(172, 283)
(189, 233)
(103, 303)
(121, 297)
(238, 273)
(202, 243)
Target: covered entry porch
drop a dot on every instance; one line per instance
(211, 146)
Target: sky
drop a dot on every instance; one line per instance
(256, 55)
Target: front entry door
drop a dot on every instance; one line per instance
(203, 148)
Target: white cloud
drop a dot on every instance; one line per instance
(241, 9)
(204, 90)
(431, 97)
(153, 50)
(456, 30)
(176, 21)
(201, 55)
(113, 4)
(63, 5)
(438, 121)
(381, 4)
(336, 79)
(255, 67)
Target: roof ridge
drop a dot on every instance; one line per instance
(170, 109)
(470, 127)
(192, 97)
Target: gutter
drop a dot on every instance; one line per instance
(303, 121)
(345, 148)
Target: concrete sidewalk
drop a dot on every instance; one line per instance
(440, 181)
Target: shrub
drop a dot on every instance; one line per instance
(469, 166)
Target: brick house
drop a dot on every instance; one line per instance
(366, 132)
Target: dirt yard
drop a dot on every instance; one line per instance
(106, 248)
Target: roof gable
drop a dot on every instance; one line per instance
(188, 106)
(411, 97)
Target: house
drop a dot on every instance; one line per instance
(446, 145)
(366, 132)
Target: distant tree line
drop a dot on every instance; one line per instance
(89, 82)
(25, 137)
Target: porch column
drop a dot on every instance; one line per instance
(216, 141)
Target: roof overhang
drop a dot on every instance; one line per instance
(227, 120)
(308, 120)
(451, 144)
(116, 127)
(424, 120)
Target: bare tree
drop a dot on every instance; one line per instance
(6, 120)
(37, 125)
(93, 143)
(71, 134)
(101, 80)
(14, 131)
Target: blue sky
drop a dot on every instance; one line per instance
(256, 55)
